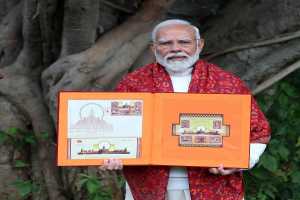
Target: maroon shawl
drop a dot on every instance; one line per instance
(150, 182)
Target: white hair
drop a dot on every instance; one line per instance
(173, 22)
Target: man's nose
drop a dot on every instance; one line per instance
(175, 47)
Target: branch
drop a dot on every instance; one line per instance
(75, 71)
(37, 175)
(118, 7)
(48, 32)
(26, 94)
(277, 77)
(122, 61)
(259, 43)
(79, 26)
(31, 54)
(10, 35)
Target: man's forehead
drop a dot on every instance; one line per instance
(180, 31)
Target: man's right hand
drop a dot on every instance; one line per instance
(112, 164)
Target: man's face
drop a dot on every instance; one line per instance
(176, 47)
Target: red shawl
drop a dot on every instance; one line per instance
(150, 182)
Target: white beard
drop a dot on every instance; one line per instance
(178, 67)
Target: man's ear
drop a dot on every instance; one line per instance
(201, 44)
(152, 47)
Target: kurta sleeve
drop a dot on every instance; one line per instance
(259, 126)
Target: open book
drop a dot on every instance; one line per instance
(176, 129)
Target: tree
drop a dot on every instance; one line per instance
(50, 45)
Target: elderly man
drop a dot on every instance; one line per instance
(176, 46)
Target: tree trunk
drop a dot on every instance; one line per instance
(249, 22)
(80, 23)
(11, 35)
(89, 69)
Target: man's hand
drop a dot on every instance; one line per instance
(221, 171)
(112, 164)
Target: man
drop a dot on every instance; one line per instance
(176, 46)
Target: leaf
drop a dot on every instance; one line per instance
(97, 197)
(283, 99)
(20, 164)
(270, 194)
(289, 89)
(274, 142)
(102, 196)
(83, 178)
(261, 196)
(282, 174)
(30, 139)
(92, 186)
(269, 162)
(283, 115)
(121, 181)
(295, 177)
(298, 142)
(44, 135)
(3, 137)
(260, 173)
(297, 155)
(283, 152)
(24, 187)
(272, 145)
(282, 129)
(82, 182)
(12, 132)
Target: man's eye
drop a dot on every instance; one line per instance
(165, 43)
(185, 42)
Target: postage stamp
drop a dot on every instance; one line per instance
(201, 130)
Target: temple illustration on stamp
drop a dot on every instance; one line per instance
(99, 128)
(201, 130)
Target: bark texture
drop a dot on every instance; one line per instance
(249, 22)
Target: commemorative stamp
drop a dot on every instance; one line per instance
(201, 130)
(121, 108)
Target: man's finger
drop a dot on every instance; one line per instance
(111, 164)
(106, 162)
(224, 172)
(102, 167)
(114, 164)
(213, 170)
(119, 164)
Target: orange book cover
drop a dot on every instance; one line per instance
(175, 129)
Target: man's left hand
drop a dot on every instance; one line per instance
(221, 171)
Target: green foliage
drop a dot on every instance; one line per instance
(19, 139)
(277, 175)
(94, 188)
(20, 164)
(25, 188)
(121, 181)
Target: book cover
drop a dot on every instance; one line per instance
(176, 129)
